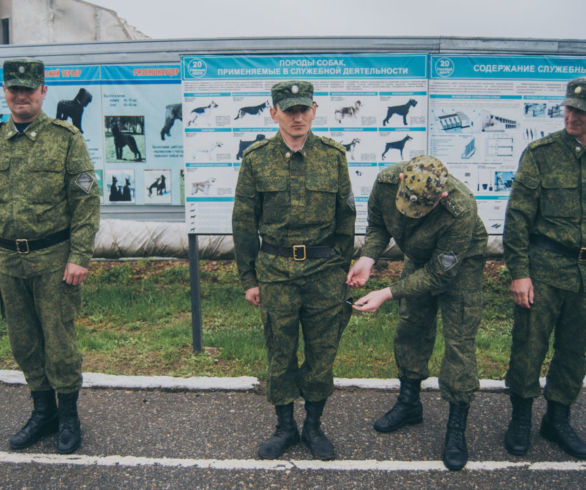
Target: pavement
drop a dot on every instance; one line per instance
(164, 432)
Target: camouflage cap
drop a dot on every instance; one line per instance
(576, 94)
(424, 180)
(292, 93)
(24, 72)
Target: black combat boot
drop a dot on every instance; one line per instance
(284, 437)
(42, 422)
(518, 434)
(69, 427)
(455, 450)
(313, 436)
(555, 427)
(407, 409)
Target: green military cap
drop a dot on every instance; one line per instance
(576, 94)
(424, 180)
(24, 72)
(292, 93)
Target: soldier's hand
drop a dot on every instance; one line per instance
(522, 291)
(252, 295)
(360, 272)
(74, 274)
(372, 301)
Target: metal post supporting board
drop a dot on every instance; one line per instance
(195, 292)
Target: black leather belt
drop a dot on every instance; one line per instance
(24, 246)
(553, 246)
(299, 252)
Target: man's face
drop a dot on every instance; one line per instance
(575, 122)
(25, 104)
(295, 122)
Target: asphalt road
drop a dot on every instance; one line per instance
(208, 439)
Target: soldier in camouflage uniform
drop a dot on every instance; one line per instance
(433, 219)
(294, 191)
(545, 250)
(49, 214)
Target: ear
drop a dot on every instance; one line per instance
(444, 194)
(401, 176)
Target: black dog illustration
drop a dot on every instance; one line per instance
(349, 111)
(396, 145)
(254, 110)
(123, 139)
(172, 113)
(159, 185)
(200, 111)
(401, 110)
(74, 108)
(245, 144)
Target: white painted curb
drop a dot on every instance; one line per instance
(242, 383)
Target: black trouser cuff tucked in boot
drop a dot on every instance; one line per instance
(407, 409)
(42, 422)
(312, 435)
(455, 450)
(518, 435)
(69, 438)
(556, 427)
(284, 437)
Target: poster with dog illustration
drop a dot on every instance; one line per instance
(158, 186)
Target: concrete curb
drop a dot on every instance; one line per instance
(242, 383)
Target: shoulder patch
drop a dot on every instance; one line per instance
(85, 181)
(255, 146)
(447, 260)
(333, 144)
(66, 125)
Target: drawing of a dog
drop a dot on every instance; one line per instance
(254, 110)
(396, 145)
(203, 187)
(401, 110)
(172, 113)
(349, 111)
(245, 144)
(74, 108)
(351, 146)
(201, 111)
(121, 140)
(159, 186)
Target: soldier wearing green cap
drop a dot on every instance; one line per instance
(433, 219)
(294, 192)
(545, 250)
(49, 214)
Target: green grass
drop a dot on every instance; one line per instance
(136, 320)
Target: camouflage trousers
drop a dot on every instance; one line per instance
(40, 315)
(461, 312)
(564, 314)
(317, 303)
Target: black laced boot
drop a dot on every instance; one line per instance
(555, 427)
(42, 422)
(518, 435)
(455, 450)
(284, 437)
(69, 426)
(313, 436)
(407, 409)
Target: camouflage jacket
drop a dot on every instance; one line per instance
(548, 198)
(291, 198)
(437, 243)
(47, 184)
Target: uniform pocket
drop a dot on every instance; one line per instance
(273, 186)
(4, 178)
(560, 196)
(321, 190)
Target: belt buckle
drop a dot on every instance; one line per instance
(303, 250)
(23, 251)
(582, 255)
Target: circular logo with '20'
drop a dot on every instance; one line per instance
(444, 67)
(196, 68)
